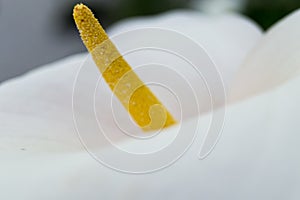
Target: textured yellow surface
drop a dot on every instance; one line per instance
(146, 110)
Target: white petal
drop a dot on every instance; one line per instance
(226, 38)
(257, 158)
(274, 60)
(41, 157)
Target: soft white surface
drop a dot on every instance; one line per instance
(256, 158)
(274, 60)
(226, 38)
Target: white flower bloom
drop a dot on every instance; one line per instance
(41, 156)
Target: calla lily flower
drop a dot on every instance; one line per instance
(62, 131)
